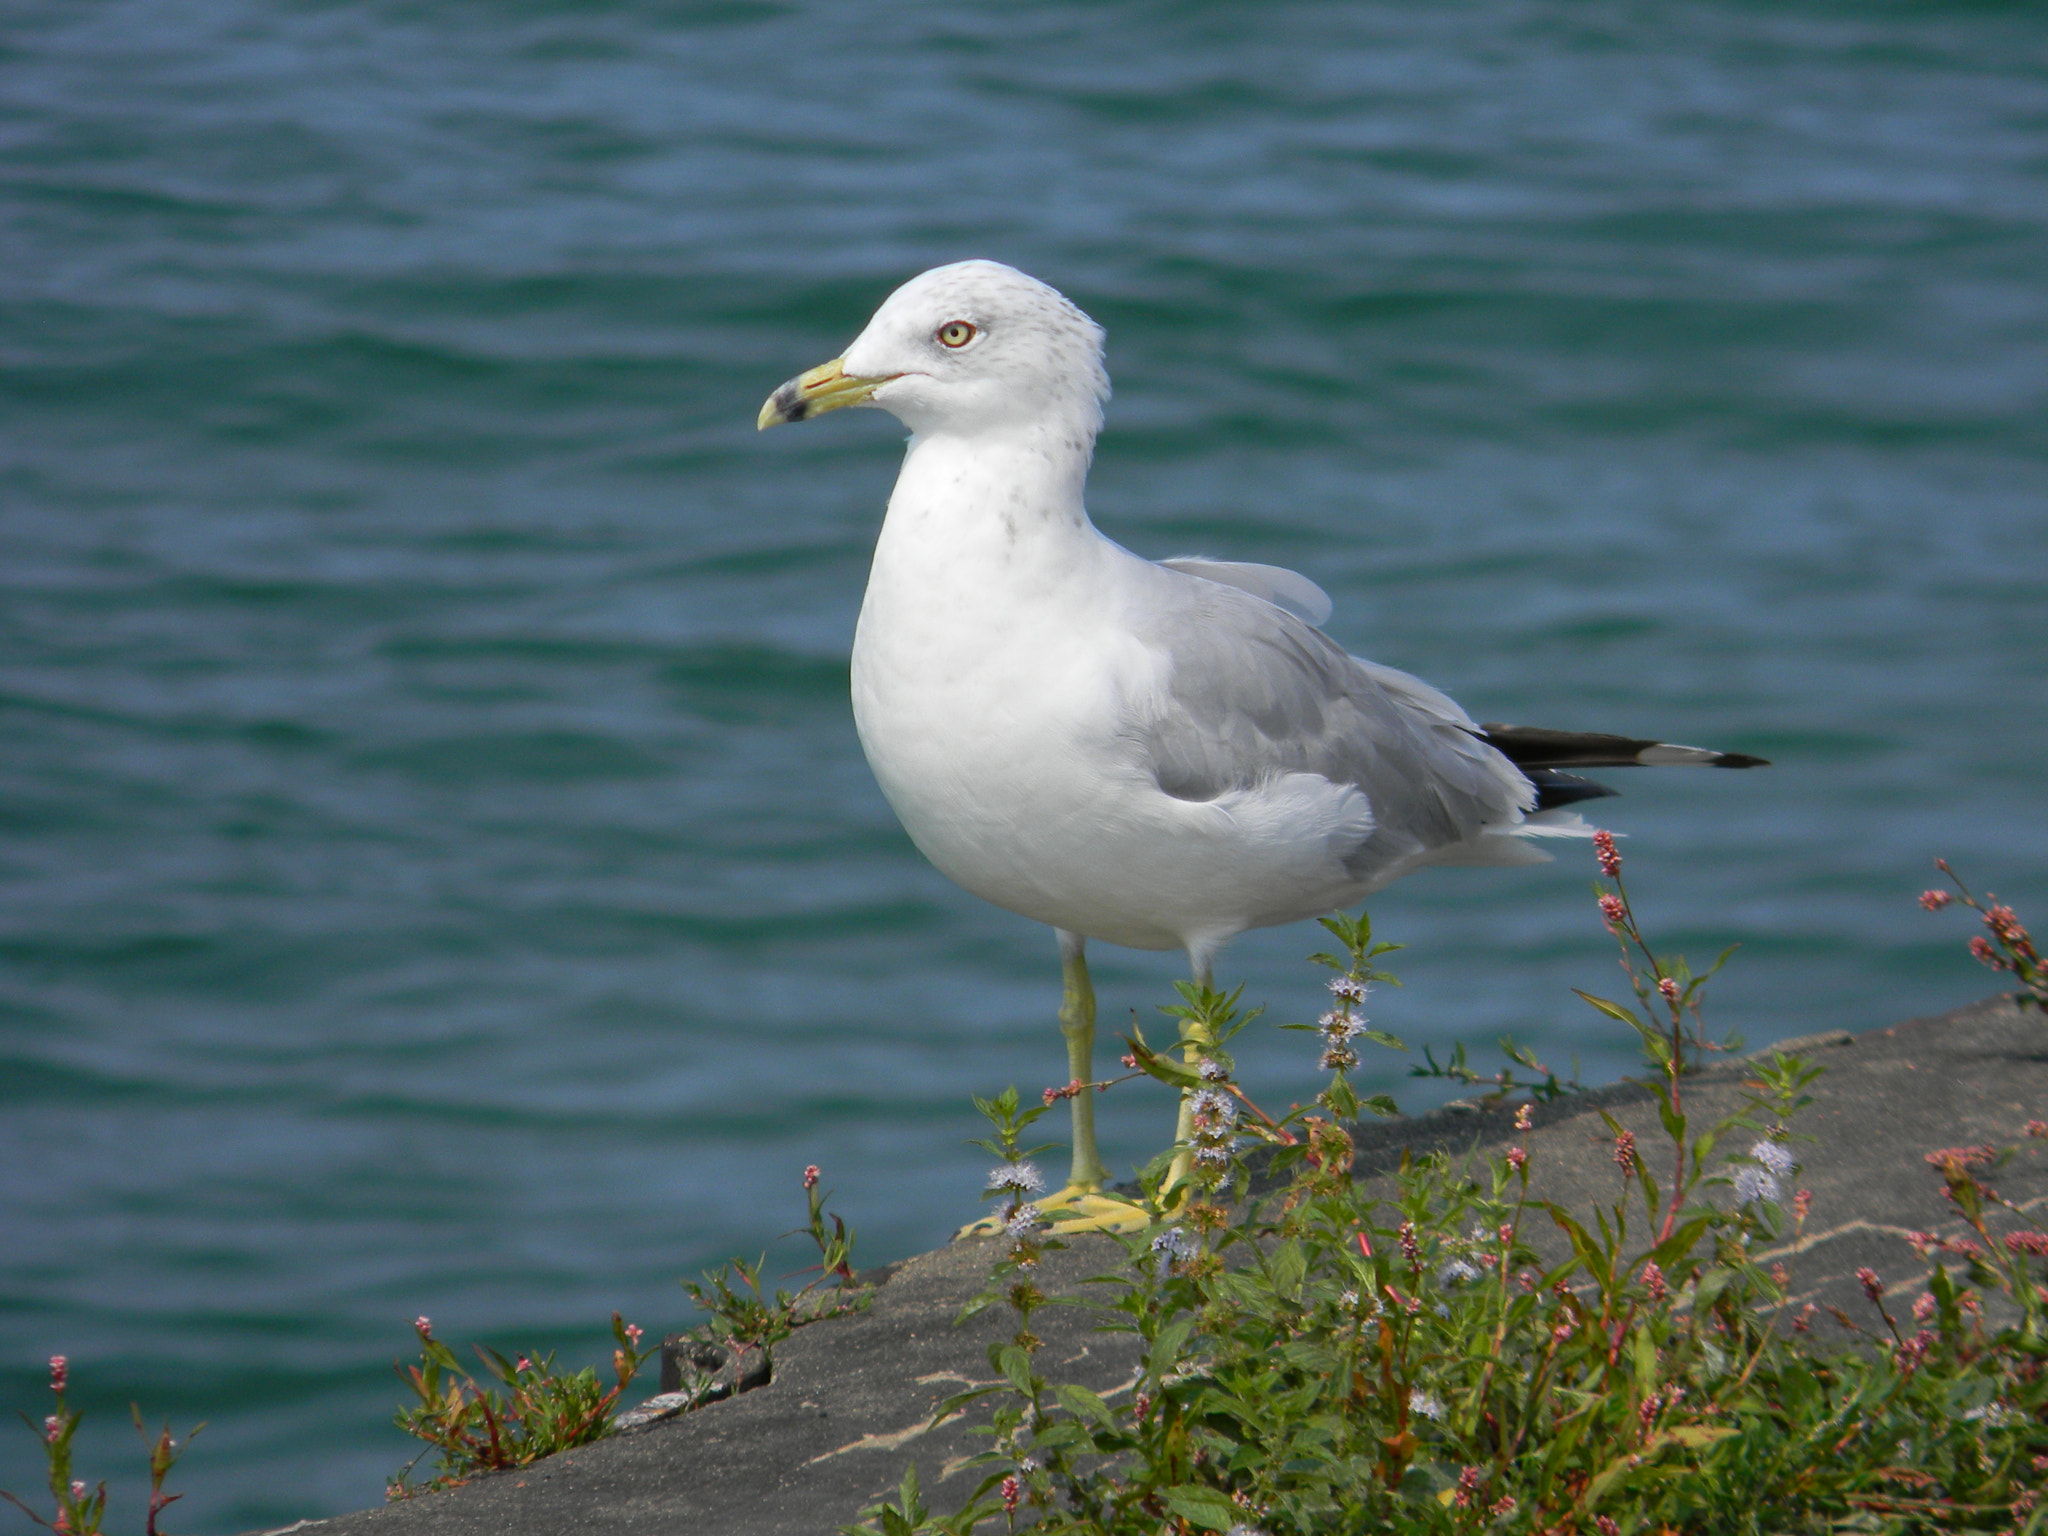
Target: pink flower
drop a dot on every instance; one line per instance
(1934, 901)
(1959, 1158)
(1653, 1280)
(1605, 1526)
(1914, 1350)
(1612, 909)
(1981, 950)
(1526, 1117)
(1013, 1494)
(60, 1372)
(53, 1428)
(633, 1334)
(2036, 1128)
(1669, 989)
(1872, 1286)
(1625, 1151)
(2035, 1243)
(1507, 1234)
(1925, 1307)
(1468, 1484)
(1604, 851)
(422, 1326)
(77, 1488)
(810, 1177)
(1802, 1202)
(1411, 1250)
(1518, 1158)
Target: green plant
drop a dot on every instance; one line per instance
(477, 1429)
(2009, 948)
(742, 1315)
(79, 1508)
(1466, 1357)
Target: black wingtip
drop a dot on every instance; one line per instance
(1554, 789)
(1530, 747)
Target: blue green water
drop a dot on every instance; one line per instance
(437, 870)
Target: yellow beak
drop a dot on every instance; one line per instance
(826, 387)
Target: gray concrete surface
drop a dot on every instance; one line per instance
(850, 1399)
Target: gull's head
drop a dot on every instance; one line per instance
(970, 348)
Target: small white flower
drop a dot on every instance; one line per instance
(1996, 1415)
(1023, 1221)
(1174, 1244)
(1775, 1156)
(1348, 989)
(1241, 1529)
(1754, 1184)
(1027, 1465)
(1457, 1272)
(1428, 1404)
(1024, 1178)
(1212, 1071)
(1340, 1028)
(1348, 1300)
(1213, 1104)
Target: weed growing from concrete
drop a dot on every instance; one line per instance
(476, 1429)
(1469, 1357)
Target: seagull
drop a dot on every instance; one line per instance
(1159, 754)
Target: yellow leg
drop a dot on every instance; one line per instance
(1082, 1206)
(1077, 1023)
(1194, 1047)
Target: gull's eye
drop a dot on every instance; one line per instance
(955, 333)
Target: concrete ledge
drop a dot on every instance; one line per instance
(850, 1398)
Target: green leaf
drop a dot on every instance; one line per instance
(1287, 1266)
(1204, 1507)
(1152, 1064)
(1674, 1121)
(1612, 1010)
(1083, 1404)
(1693, 1436)
(1015, 1365)
(1165, 1350)
(1383, 1105)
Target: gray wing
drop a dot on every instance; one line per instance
(1253, 692)
(1275, 583)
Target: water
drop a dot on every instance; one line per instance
(439, 871)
